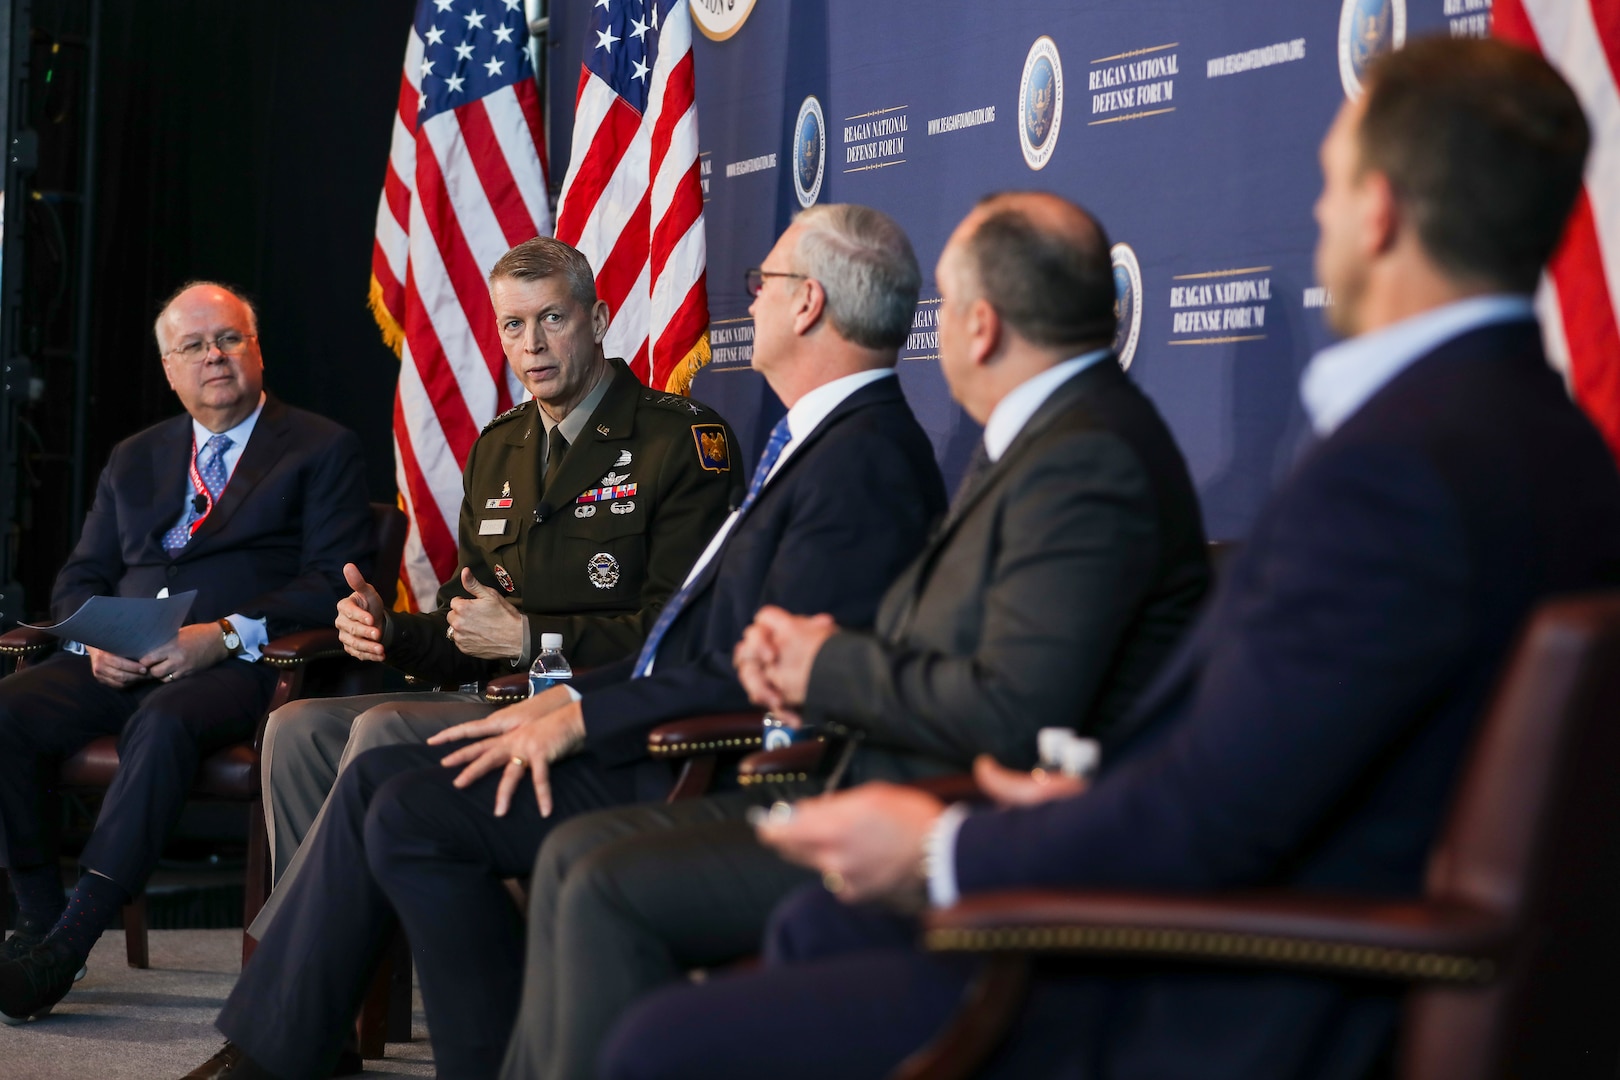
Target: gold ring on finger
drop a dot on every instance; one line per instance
(450, 632)
(519, 762)
(833, 882)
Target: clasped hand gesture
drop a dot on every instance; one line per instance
(867, 843)
(519, 740)
(775, 655)
(193, 648)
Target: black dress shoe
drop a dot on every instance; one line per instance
(232, 1063)
(32, 984)
(28, 935)
(23, 941)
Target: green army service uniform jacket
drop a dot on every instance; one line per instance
(640, 494)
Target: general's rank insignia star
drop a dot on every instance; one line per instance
(714, 450)
(504, 579)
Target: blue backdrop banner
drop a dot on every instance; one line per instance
(1189, 127)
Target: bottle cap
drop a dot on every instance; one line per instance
(551, 641)
(1080, 758)
(1049, 744)
(1063, 750)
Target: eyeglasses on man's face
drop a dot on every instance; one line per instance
(754, 279)
(230, 343)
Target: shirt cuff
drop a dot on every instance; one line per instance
(939, 856)
(574, 694)
(253, 634)
(73, 647)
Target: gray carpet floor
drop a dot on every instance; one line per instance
(156, 1024)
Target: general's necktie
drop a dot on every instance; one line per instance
(211, 467)
(556, 450)
(780, 437)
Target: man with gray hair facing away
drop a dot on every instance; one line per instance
(842, 498)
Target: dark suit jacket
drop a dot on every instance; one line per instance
(1308, 734)
(846, 511)
(1063, 577)
(273, 548)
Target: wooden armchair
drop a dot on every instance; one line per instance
(232, 774)
(1510, 953)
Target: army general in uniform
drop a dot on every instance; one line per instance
(581, 513)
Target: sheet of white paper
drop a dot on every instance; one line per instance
(129, 626)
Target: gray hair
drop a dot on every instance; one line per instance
(157, 325)
(865, 264)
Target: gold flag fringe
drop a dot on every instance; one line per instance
(392, 335)
(680, 379)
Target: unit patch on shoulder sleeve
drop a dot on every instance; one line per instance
(714, 452)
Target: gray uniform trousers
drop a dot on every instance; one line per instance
(308, 743)
(624, 901)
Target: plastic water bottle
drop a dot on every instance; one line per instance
(550, 667)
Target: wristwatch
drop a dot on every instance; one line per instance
(233, 640)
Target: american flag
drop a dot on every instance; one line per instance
(633, 199)
(1580, 294)
(466, 181)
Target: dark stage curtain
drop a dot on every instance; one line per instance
(247, 143)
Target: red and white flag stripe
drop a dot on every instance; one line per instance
(1581, 292)
(633, 203)
(461, 188)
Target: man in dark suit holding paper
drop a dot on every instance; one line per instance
(254, 505)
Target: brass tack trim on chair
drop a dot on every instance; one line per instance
(1200, 944)
(746, 779)
(300, 661)
(684, 748)
(26, 650)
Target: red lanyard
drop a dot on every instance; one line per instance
(202, 489)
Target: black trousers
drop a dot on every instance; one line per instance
(52, 709)
(400, 841)
(625, 901)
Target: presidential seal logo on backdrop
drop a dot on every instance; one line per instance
(719, 19)
(1040, 102)
(809, 152)
(1127, 303)
(1367, 30)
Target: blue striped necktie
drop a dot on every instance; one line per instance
(211, 466)
(780, 437)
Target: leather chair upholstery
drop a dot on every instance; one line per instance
(700, 742)
(1506, 954)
